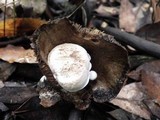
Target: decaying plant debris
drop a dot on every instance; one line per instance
(128, 33)
(18, 26)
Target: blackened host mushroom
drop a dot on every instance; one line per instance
(80, 64)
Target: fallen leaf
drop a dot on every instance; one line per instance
(37, 6)
(150, 32)
(153, 66)
(1, 84)
(137, 60)
(106, 11)
(19, 26)
(154, 108)
(132, 17)
(64, 8)
(156, 10)
(151, 82)
(130, 99)
(6, 69)
(12, 54)
(120, 114)
(3, 107)
(13, 95)
(127, 15)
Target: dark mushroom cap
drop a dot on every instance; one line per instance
(109, 59)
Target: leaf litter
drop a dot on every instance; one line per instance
(140, 95)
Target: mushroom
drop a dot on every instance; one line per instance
(70, 65)
(101, 57)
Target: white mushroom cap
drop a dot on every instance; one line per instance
(93, 75)
(70, 65)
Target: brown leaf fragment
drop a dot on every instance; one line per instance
(3, 107)
(106, 11)
(153, 66)
(16, 94)
(6, 69)
(120, 114)
(12, 54)
(1, 84)
(137, 60)
(127, 16)
(156, 10)
(133, 16)
(154, 108)
(151, 82)
(134, 75)
(130, 99)
(19, 26)
(150, 32)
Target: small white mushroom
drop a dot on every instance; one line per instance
(93, 75)
(70, 65)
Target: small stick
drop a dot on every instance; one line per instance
(13, 41)
(130, 39)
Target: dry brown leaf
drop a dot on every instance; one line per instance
(104, 10)
(14, 95)
(134, 16)
(150, 32)
(1, 84)
(130, 99)
(19, 26)
(153, 66)
(17, 54)
(127, 17)
(156, 10)
(151, 82)
(155, 108)
(6, 69)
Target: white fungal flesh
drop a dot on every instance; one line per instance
(43, 78)
(93, 75)
(70, 65)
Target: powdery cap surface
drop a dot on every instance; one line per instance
(70, 65)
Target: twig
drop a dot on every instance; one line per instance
(130, 39)
(13, 41)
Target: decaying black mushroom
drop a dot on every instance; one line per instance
(107, 62)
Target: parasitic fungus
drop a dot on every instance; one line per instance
(69, 56)
(70, 65)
